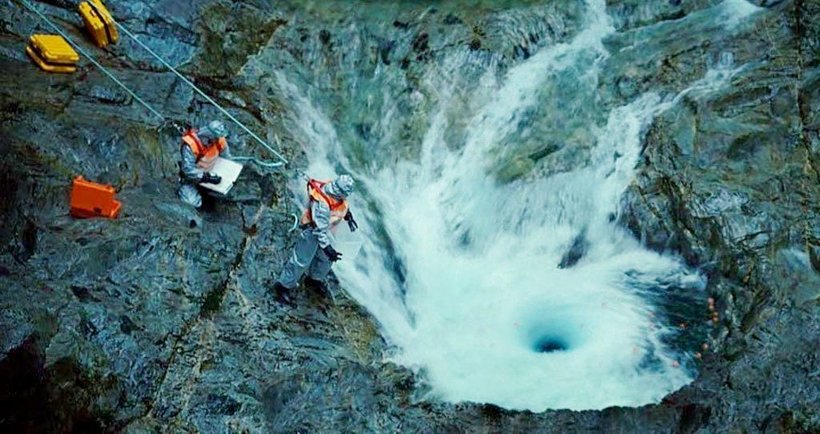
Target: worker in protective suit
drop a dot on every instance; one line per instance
(198, 153)
(313, 251)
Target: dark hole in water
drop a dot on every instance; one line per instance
(550, 344)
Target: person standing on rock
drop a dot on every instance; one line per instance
(313, 251)
(198, 153)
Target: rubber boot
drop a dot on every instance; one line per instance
(282, 295)
(316, 285)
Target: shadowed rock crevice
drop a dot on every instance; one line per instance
(57, 398)
(210, 306)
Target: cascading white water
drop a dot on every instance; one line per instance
(479, 305)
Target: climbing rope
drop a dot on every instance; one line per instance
(204, 95)
(153, 111)
(91, 58)
(258, 162)
(295, 222)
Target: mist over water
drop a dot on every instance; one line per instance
(520, 291)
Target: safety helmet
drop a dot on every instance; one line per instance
(218, 128)
(344, 185)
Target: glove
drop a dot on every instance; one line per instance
(351, 223)
(331, 253)
(210, 178)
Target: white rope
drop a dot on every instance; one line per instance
(295, 222)
(209, 99)
(91, 58)
(257, 161)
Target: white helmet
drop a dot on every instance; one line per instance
(215, 129)
(343, 185)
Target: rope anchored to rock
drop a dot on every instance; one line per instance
(207, 98)
(271, 165)
(91, 58)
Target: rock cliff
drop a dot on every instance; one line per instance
(162, 320)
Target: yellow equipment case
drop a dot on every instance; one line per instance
(52, 53)
(99, 23)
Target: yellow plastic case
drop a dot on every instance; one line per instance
(99, 23)
(52, 53)
(105, 16)
(94, 24)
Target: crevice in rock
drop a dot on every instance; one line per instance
(212, 301)
(211, 304)
(804, 115)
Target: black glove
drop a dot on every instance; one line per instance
(331, 253)
(351, 223)
(210, 178)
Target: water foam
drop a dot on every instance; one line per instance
(469, 279)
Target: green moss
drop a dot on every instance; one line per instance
(230, 34)
(45, 324)
(360, 330)
(212, 301)
(514, 168)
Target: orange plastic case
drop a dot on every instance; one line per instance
(90, 199)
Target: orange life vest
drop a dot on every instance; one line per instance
(205, 155)
(338, 207)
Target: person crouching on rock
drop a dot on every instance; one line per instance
(198, 154)
(313, 252)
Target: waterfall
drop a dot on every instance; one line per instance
(521, 291)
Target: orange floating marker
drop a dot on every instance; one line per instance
(90, 199)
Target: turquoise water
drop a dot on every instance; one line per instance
(490, 183)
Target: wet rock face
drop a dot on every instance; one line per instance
(149, 323)
(229, 35)
(731, 184)
(632, 14)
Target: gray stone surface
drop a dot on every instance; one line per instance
(146, 324)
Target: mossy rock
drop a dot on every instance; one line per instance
(514, 168)
(230, 34)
